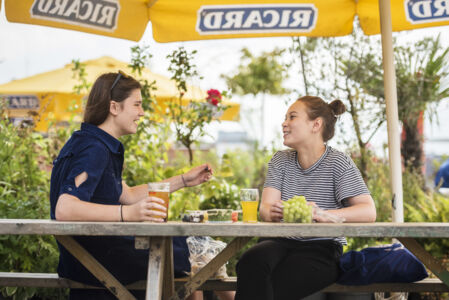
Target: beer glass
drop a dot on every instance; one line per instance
(160, 190)
(249, 200)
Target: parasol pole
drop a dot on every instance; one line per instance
(391, 100)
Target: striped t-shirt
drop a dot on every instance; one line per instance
(328, 182)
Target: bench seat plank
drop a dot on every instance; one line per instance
(52, 280)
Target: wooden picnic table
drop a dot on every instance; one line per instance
(157, 237)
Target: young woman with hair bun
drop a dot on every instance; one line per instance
(295, 267)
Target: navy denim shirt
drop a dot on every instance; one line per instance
(100, 155)
(95, 152)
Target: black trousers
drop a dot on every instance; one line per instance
(284, 269)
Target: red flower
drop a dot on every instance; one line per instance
(214, 93)
(213, 96)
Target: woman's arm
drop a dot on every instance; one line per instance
(361, 209)
(193, 177)
(70, 208)
(271, 206)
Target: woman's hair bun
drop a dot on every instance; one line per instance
(337, 107)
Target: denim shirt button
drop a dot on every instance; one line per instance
(70, 189)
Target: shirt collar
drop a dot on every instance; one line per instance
(111, 142)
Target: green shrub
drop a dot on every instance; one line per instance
(24, 194)
(426, 206)
(419, 206)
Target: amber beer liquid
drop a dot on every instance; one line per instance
(160, 190)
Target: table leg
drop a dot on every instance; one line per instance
(169, 274)
(428, 260)
(208, 270)
(156, 265)
(100, 272)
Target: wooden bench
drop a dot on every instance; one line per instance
(52, 280)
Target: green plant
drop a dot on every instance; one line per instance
(24, 193)
(249, 168)
(79, 73)
(189, 121)
(425, 206)
(421, 69)
(218, 193)
(146, 150)
(420, 205)
(255, 75)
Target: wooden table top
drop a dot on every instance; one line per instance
(238, 229)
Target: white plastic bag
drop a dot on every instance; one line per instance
(202, 250)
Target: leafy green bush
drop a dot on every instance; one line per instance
(419, 205)
(426, 206)
(24, 193)
(249, 168)
(218, 193)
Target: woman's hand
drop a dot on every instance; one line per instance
(145, 210)
(271, 208)
(276, 211)
(198, 175)
(322, 216)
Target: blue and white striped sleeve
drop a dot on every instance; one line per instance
(350, 182)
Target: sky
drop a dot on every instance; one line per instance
(27, 50)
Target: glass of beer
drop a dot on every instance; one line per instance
(160, 190)
(249, 200)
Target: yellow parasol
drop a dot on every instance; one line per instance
(50, 94)
(180, 20)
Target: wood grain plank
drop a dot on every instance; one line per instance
(238, 229)
(100, 272)
(155, 268)
(52, 280)
(142, 242)
(168, 289)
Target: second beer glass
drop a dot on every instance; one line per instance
(249, 200)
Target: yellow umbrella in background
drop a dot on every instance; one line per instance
(51, 94)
